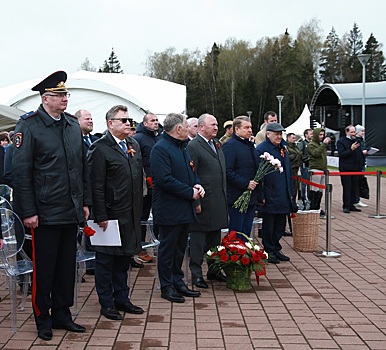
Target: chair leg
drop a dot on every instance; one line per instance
(26, 283)
(13, 299)
(79, 272)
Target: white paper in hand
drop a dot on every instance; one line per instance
(110, 237)
(372, 150)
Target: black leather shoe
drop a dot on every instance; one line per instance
(71, 327)
(45, 334)
(272, 259)
(90, 272)
(169, 293)
(186, 292)
(212, 276)
(111, 313)
(287, 234)
(129, 308)
(136, 264)
(346, 210)
(281, 256)
(354, 208)
(200, 282)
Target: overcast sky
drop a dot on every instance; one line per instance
(38, 37)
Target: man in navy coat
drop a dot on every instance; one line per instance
(175, 188)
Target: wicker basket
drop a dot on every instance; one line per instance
(306, 230)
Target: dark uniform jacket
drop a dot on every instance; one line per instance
(173, 181)
(49, 166)
(117, 190)
(210, 168)
(276, 188)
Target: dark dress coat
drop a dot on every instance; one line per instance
(173, 181)
(117, 191)
(210, 168)
(349, 160)
(147, 139)
(277, 187)
(241, 166)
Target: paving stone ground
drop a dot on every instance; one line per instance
(307, 303)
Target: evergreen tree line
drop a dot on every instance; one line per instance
(236, 77)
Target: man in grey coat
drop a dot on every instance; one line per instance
(212, 212)
(117, 191)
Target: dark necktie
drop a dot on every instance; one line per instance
(212, 146)
(124, 147)
(86, 139)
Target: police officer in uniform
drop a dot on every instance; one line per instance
(51, 180)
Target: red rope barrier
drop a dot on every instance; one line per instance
(348, 173)
(309, 182)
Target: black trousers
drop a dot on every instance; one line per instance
(111, 272)
(171, 253)
(200, 243)
(350, 185)
(272, 231)
(54, 260)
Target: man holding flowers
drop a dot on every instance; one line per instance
(276, 194)
(241, 166)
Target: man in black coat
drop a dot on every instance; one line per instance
(175, 189)
(51, 181)
(212, 210)
(117, 190)
(350, 159)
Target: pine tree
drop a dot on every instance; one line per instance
(376, 68)
(353, 47)
(331, 59)
(111, 65)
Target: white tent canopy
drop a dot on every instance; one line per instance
(98, 92)
(8, 117)
(300, 124)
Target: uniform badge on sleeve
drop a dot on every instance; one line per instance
(18, 139)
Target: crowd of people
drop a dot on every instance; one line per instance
(180, 173)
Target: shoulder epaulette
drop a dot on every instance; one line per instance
(70, 115)
(28, 115)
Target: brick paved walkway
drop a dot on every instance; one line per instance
(308, 303)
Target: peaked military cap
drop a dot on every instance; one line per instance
(53, 83)
(228, 123)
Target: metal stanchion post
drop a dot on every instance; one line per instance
(378, 202)
(326, 182)
(328, 253)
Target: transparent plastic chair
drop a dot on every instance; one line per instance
(82, 256)
(16, 270)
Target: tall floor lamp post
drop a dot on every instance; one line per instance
(280, 98)
(363, 59)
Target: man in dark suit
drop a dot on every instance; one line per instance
(175, 188)
(212, 211)
(86, 125)
(116, 166)
(350, 159)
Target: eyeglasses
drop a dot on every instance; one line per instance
(123, 120)
(59, 95)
